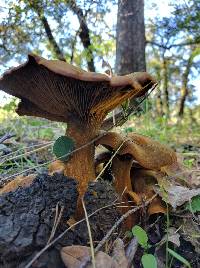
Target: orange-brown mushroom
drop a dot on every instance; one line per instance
(150, 155)
(59, 91)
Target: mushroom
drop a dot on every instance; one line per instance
(151, 158)
(58, 91)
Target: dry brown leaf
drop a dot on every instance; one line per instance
(118, 253)
(77, 256)
(74, 256)
(102, 260)
(177, 195)
(20, 181)
(172, 236)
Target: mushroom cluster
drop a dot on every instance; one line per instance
(58, 91)
(138, 164)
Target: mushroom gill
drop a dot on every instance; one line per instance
(58, 91)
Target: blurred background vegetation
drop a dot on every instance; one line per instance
(133, 35)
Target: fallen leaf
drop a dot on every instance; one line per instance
(74, 256)
(118, 253)
(177, 195)
(172, 236)
(77, 257)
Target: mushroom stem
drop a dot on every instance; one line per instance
(81, 164)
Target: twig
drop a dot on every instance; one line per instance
(6, 137)
(25, 148)
(56, 222)
(90, 234)
(109, 161)
(27, 153)
(123, 217)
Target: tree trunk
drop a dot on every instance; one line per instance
(184, 89)
(52, 41)
(165, 86)
(130, 39)
(159, 102)
(84, 34)
(130, 47)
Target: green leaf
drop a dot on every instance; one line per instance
(62, 147)
(149, 261)
(179, 257)
(141, 236)
(194, 205)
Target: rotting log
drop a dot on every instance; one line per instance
(26, 220)
(99, 195)
(27, 217)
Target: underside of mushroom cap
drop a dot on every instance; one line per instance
(59, 91)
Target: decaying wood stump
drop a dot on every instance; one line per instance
(99, 195)
(27, 216)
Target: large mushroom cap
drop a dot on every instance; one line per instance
(58, 91)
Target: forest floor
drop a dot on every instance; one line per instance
(27, 149)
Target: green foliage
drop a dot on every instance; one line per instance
(11, 106)
(189, 163)
(194, 205)
(179, 257)
(149, 261)
(62, 147)
(141, 236)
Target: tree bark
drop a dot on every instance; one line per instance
(130, 39)
(51, 39)
(27, 216)
(184, 89)
(130, 46)
(165, 86)
(55, 47)
(84, 34)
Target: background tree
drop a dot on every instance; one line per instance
(130, 37)
(58, 28)
(175, 45)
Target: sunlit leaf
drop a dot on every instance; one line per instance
(141, 236)
(149, 261)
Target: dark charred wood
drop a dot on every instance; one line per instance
(26, 220)
(99, 195)
(27, 216)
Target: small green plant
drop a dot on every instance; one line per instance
(194, 204)
(189, 163)
(62, 147)
(179, 257)
(148, 260)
